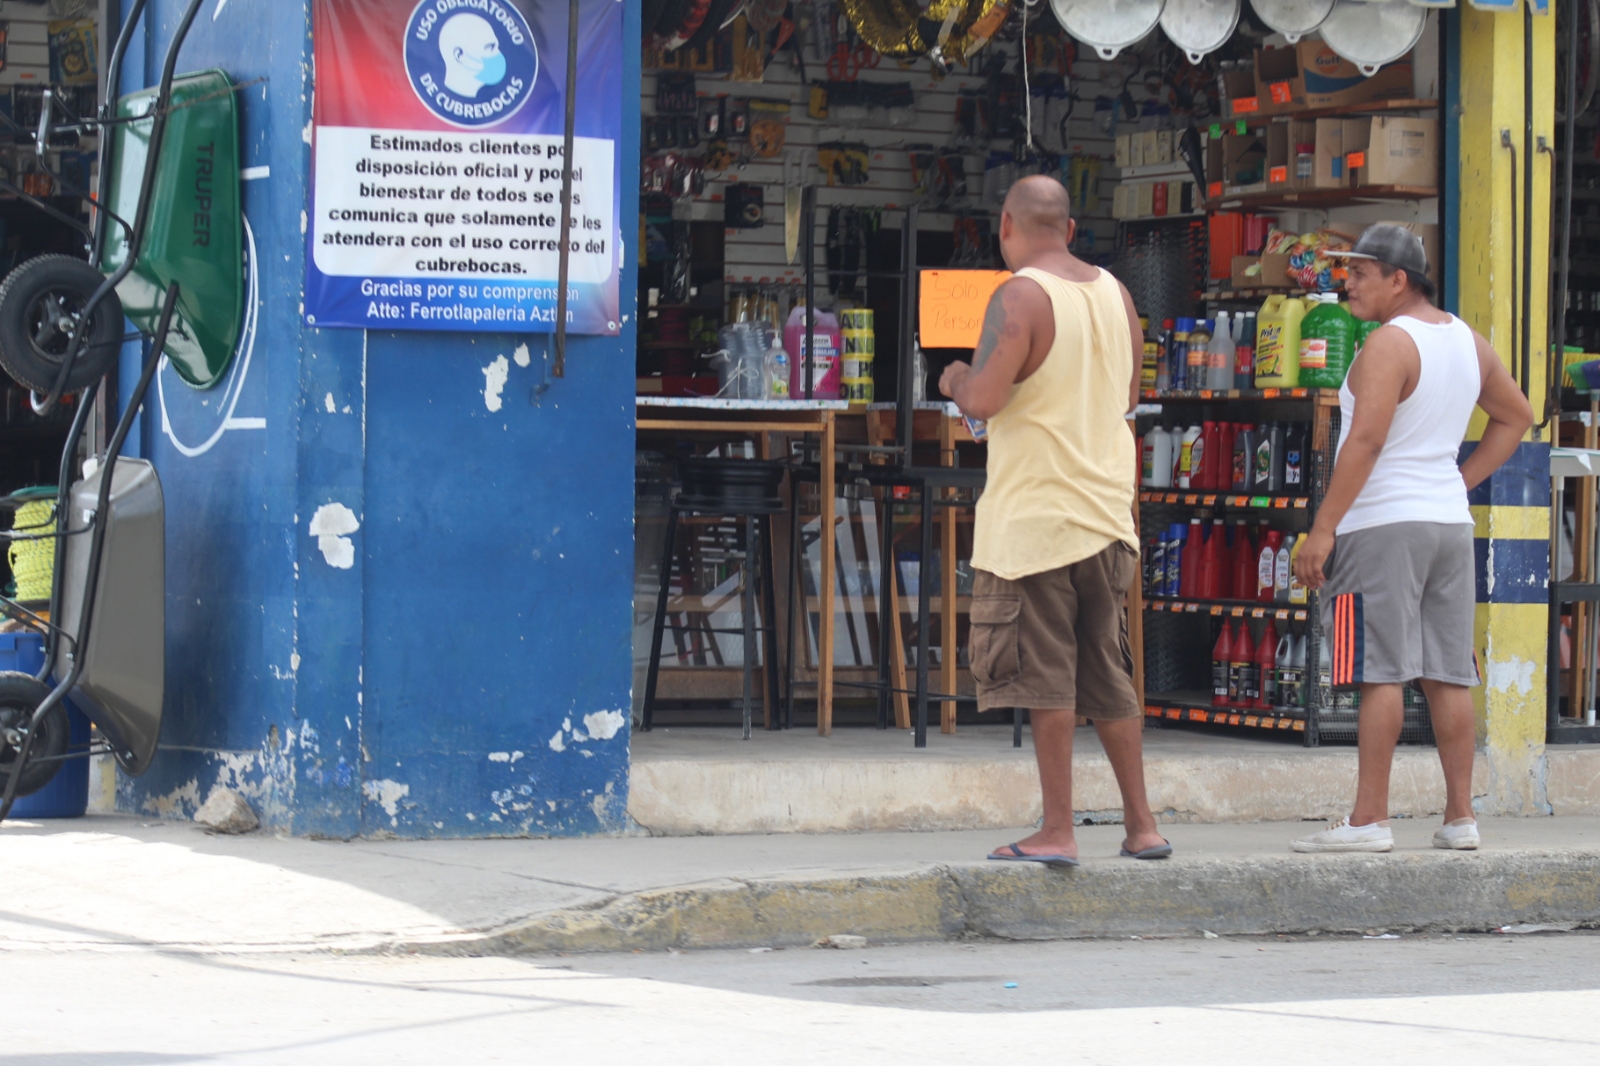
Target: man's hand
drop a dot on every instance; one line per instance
(1312, 556)
(953, 376)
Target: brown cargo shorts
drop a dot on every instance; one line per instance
(1057, 639)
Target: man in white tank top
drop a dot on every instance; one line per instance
(1391, 548)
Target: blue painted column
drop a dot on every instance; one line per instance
(399, 564)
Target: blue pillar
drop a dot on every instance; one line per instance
(399, 601)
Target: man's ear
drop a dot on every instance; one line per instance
(1072, 230)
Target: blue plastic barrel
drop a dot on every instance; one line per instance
(67, 794)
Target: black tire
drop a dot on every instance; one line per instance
(20, 696)
(38, 299)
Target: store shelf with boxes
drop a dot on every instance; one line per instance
(1246, 348)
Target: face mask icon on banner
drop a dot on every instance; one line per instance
(471, 53)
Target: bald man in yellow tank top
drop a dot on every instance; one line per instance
(1055, 373)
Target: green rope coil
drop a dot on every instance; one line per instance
(33, 562)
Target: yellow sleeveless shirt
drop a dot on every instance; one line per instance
(1062, 462)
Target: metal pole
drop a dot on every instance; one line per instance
(904, 408)
(924, 607)
(1527, 196)
(1553, 401)
(808, 223)
(559, 369)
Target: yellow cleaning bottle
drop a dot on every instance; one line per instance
(1278, 342)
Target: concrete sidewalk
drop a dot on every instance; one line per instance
(115, 882)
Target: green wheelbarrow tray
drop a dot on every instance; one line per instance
(194, 233)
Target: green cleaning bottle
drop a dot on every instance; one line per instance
(1327, 342)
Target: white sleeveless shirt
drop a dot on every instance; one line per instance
(1418, 477)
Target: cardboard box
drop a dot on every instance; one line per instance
(1119, 200)
(1327, 167)
(1151, 148)
(1164, 146)
(1244, 159)
(1272, 272)
(1329, 80)
(1214, 180)
(1136, 149)
(1240, 87)
(1145, 205)
(1280, 84)
(1225, 230)
(1302, 133)
(1280, 158)
(1123, 151)
(1398, 151)
(1180, 197)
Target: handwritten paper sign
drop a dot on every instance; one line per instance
(953, 303)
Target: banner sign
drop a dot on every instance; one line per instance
(436, 166)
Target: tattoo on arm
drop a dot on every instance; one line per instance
(997, 326)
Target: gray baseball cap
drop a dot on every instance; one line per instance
(1391, 244)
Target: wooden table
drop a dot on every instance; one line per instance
(758, 418)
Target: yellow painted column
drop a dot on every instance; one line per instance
(1512, 510)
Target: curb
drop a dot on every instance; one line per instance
(1441, 891)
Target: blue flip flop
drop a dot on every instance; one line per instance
(1018, 855)
(1162, 850)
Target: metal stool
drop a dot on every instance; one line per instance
(733, 488)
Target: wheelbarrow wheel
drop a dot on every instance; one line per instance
(40, 302)
(20, 696)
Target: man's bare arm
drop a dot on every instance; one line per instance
(1138, 346)
(982, 389)
(1509, 413)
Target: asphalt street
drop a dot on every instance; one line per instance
(1529, 998)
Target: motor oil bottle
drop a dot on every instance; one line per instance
(1280, 439)
(1267, 667)
(1221, 354)
(1297, 591)
(1199, 345)
(1244, 449)
(1157, 458)
(1213, 461)
(1266, 566)
(1294, 460)
(1187, 457)
(1155, 568)
(1178, 355)
(1243, 688)
(1278, 342)
(1212, 562)
(1221, 657)
(1176, 536)
(1189, 567)
(1244, 564)
(1244, 350)
(1327, 343)
(1281, 569)
(1261, 461)
(1282, 670)
(1164, 366)
(1225, 433)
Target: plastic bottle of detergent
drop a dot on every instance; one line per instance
(826, 364)
(1327, 342)
(1278, 342)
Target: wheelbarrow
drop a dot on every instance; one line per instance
(166, 252)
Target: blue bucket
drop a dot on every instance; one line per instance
(67, 794)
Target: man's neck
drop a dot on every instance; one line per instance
(1417, 308)
(1057, 260)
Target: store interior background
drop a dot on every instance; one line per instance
(1164, 261)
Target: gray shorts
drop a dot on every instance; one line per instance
(1399, 605)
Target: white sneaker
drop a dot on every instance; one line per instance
(1342, 836)
(1460, 835)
